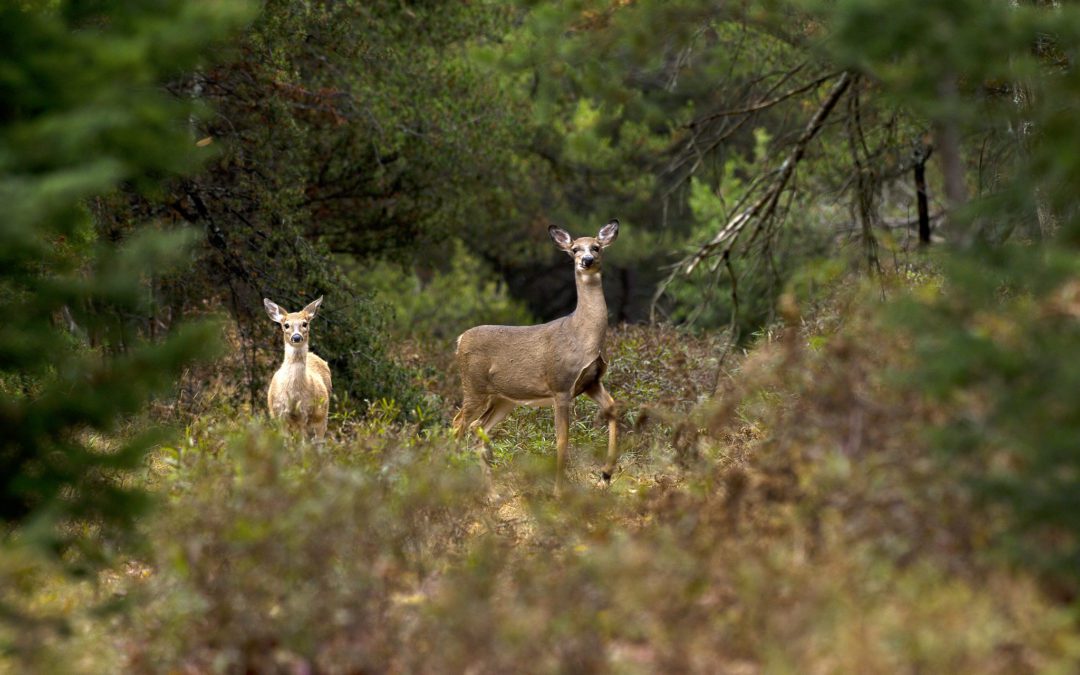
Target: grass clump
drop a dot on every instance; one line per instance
(269, 554)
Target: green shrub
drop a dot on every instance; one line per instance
(459, 294)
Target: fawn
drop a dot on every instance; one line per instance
(300, 390)
(550, 364)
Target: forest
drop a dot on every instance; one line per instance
(829, 250)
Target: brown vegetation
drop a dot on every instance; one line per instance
(795, 521)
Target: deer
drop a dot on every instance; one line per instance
(300, 391)
(503, 367)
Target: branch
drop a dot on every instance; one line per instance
(765, 205)
(768, 103)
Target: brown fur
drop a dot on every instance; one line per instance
(550, 364)
(300, 390)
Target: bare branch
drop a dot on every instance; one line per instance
(768, 103)
(764, 207)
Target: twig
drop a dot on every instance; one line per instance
(768, 103)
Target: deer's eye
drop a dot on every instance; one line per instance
(575, 249)
(304, 324)
(595, 249)
(286, 326)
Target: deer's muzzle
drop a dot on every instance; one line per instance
(296, 338)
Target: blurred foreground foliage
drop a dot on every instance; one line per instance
(81, 352)
(995, 348)
(799, 520)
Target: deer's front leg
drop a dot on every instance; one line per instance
(301, 427)
(562, 439)
(318, 426)
(610, 410)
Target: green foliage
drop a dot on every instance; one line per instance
(995, 350)
(743, 293)
(342, 139)
(447, 303)
(369, 140)
(83, 114)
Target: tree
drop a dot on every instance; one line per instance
(84, 114)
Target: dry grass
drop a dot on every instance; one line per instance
(794, 522)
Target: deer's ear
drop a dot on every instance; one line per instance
(608, 233)
(311, 309)
(276, 313)
(561, 237)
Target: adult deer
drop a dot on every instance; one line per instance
(300, 391)
(550, 364)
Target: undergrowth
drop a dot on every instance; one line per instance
(777, 510)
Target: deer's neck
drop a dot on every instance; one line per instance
(590, 317)
(295, 363)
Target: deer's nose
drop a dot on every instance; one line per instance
(296, 337)
(587, 261)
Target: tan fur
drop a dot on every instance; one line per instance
(300, 390)
(550, 364)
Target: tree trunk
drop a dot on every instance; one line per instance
(947, 132)
(922, 154)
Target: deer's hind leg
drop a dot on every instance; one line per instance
(610, 410)
(472, 407)
(482, 413)
(496, 411)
